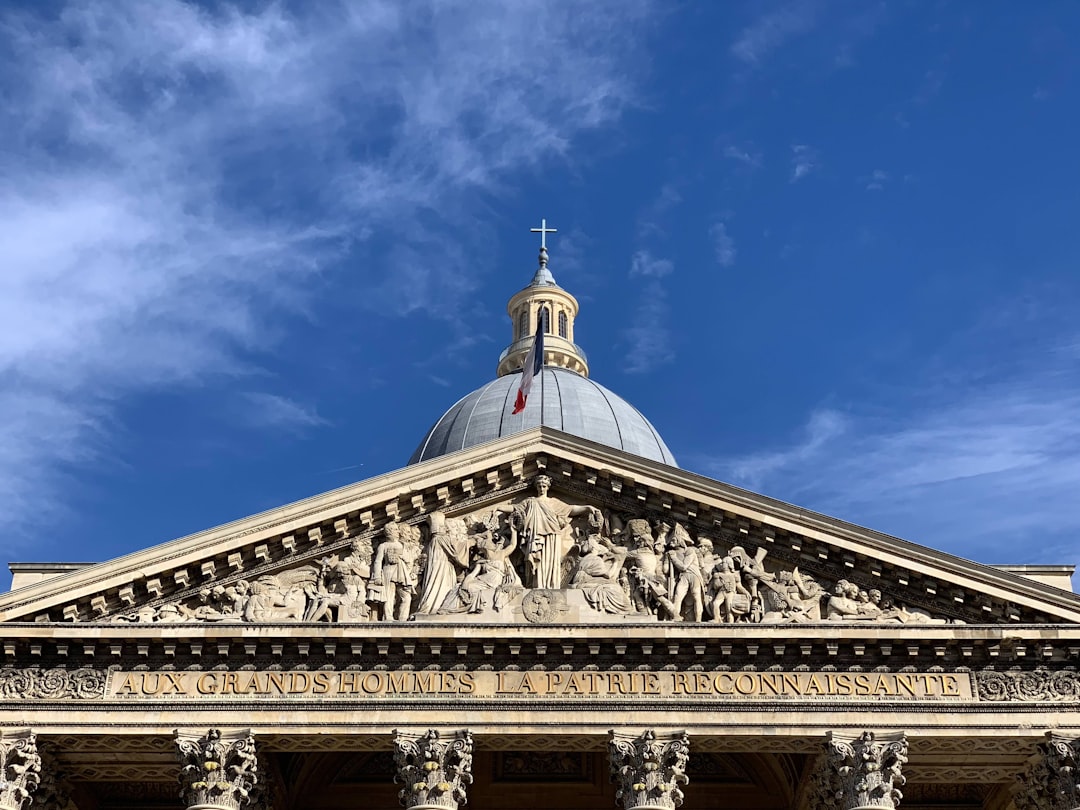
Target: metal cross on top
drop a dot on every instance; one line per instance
(543, 230)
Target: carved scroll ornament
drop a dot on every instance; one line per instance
(649, 772)
(20, 769)
(1051, 780)
(217, 772)
(52, 684)
(1030, 685)
(863, 774)
(434, 772)
(53, 791)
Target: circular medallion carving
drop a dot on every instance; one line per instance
(540, 606)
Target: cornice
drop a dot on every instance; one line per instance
(310, 528)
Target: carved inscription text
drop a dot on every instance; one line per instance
(591, 684)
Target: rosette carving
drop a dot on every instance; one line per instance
(1051, 780)
(434, 772)
(20, 769)
(1028, 686)
(649, 772)
(864, 774)
(52, 684)
(217, 773)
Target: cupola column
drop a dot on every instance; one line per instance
(524, 310)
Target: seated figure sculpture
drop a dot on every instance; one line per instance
(490, 581)
(597, 575)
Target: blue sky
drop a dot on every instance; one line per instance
(250, 253)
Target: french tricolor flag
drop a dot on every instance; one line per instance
(534, 362)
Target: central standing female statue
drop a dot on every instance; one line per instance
(542, 522)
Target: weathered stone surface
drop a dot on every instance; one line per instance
(648, 770)
(20, 768)
(863, 774)
(217, 771)
(1051, 780)
(434, 772)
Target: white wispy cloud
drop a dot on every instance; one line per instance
(723, 244)
(804, 159)
(176, 178)
(751, 159)
(877, 180)
(645, 265)
(265, 410)
(986, 465)
(648, 337)
(773, 30)
(652, 220)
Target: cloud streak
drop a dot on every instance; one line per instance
(988, 469)
(804, 159)
(723, 244)
(770, 32)
(175, 178)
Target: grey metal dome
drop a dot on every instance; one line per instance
(560, 399)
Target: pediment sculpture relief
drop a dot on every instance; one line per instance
(539, 559)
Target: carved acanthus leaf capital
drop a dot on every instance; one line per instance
(862, 774)
(218, 772)
(20, 768)
(648, 771)
(1051, 780)
(53, 791)
(434, 772)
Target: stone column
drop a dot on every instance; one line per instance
(434, 772)
(20, 768)
(647, 770)
(863, 774)
(1051, 780)
(217, 771)
(52, 793)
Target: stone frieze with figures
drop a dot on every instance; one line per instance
(543, 559)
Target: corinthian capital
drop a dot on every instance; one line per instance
(218, 772)
(52, 793)
(434, 772)
(20, 768)
(863, 774)
(649, 771)
(1051, 780)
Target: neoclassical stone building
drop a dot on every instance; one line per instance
(541, 610)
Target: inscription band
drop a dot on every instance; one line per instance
(538, 684)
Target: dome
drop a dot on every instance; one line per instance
(560, 399)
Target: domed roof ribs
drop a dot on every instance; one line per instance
(662, 448)
(558, 390)
(510, 392)
(575, 404)
(420, 453)
(468, 420)
(614, 416)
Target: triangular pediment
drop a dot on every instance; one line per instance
(781, 553)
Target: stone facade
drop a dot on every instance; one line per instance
(757, 655)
